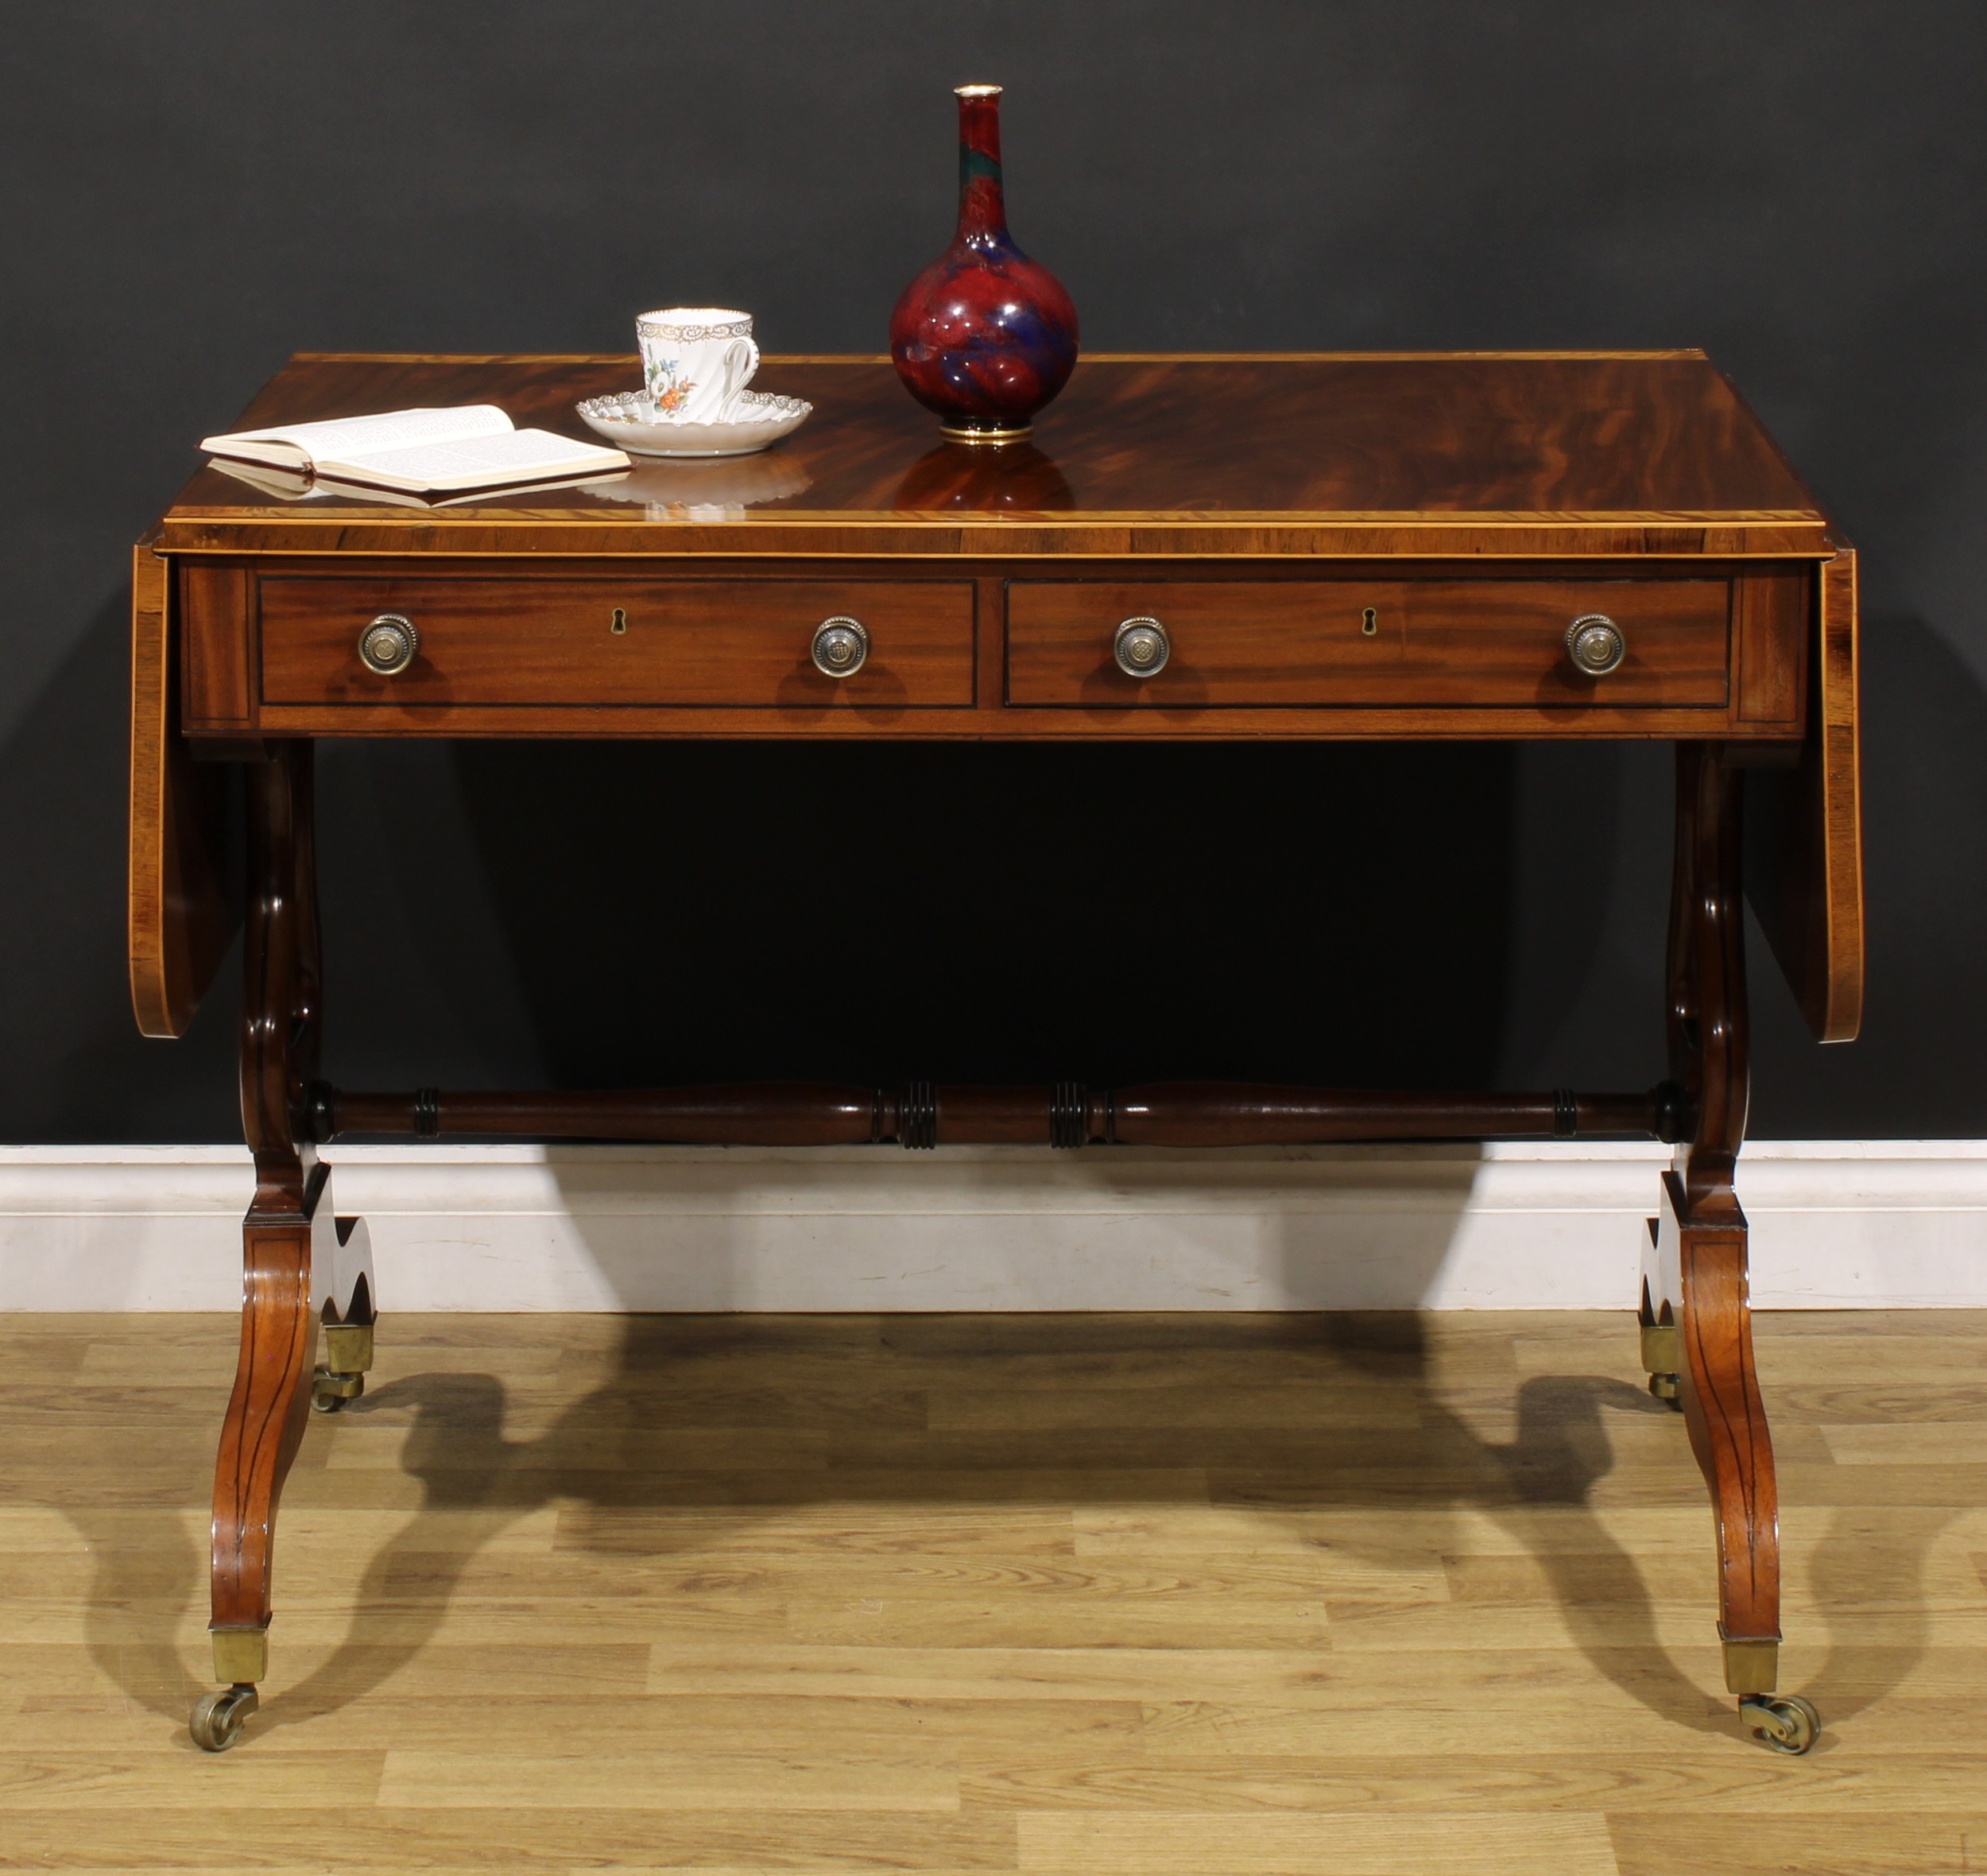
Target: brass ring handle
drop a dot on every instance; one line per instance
(1141, 647)
(1596, 644)
(841, 647)
(387, 646)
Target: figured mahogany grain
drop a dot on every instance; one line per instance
(1698, 1278)
(1412, 464)
(1769, 649)
(217, 650)
(270, 1403)
(1437, 643)
(491, 638)
(266, 1414)
(183, 906)
(1695, 1270)
(717, 648)
(1553, 452)
(1726, 1418)
(1804, 857)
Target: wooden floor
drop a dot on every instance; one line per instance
(1203, 1595)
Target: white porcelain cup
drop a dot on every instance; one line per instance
(694, 360)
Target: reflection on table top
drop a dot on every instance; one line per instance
(1494, 451)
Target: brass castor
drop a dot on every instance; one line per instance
(1785, 1721)
(1661, 1355)
(330, 1390)
(218, 1718)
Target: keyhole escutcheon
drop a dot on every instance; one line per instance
(619, 622)
(1369, 623)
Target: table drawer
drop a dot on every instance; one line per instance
(1428, 643)
(601, 641)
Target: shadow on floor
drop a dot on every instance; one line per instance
(824, 1410)
(798, 1413)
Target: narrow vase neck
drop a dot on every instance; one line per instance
(983, 205)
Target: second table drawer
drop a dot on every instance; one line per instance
(603, 641)
(1481, 642)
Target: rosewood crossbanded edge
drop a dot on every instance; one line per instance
(1565, 454)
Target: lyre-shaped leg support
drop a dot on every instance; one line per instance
(1697, 1329)
(301, 1263)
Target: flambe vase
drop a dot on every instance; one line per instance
(984, 335)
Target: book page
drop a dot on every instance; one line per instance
(511, 455)
(293, 444)
(376, 496)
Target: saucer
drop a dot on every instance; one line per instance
(627, 420)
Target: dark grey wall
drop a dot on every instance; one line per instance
(193, 192)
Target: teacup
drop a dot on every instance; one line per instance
(694, 360)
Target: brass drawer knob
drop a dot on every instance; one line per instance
(841, 646)
(388, 644)
(1141, 647)
(1595, 643)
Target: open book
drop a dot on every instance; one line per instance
(459, 453)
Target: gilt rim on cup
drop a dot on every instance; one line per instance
(710, 322)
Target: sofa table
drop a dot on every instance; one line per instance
(1409, 547)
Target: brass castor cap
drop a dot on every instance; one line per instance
(1786, 1722)
(218, 1718)
(348, 1348)
(241, 1656)
(1668, 1389)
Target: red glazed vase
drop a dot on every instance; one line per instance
(984, 335)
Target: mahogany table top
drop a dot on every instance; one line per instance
(1423, 454)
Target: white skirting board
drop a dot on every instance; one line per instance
(1553, 1226)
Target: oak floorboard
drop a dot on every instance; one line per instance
(1291, 1595)
(1822, 1842)
(1318, 1843)
(1559, 1778)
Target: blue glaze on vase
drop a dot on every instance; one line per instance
(984, 335)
